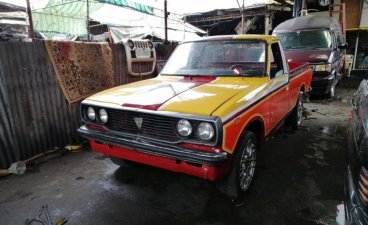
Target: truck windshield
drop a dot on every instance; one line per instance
(219, 58)
(313, 39)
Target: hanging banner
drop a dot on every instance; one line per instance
(80, 76)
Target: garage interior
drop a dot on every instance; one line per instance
(47, 169)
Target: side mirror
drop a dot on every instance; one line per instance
(280, 72)
(342, 45)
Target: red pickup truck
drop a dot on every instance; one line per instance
(214, 103)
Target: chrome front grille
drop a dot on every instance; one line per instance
(141, 44)
(153, 126)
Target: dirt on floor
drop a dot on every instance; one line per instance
(299, 180)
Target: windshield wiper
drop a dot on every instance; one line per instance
(295, 47)
(183, 74)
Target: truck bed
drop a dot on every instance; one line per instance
(296, 68)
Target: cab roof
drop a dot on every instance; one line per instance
(267, 38)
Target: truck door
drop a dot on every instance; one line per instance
(279, 85)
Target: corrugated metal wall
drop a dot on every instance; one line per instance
(38, 116)
(6, 134)
(34, 115)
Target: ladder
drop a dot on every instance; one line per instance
(340, 9)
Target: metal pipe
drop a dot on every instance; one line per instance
(242, 25)
(356, 49)
(87, 23)
(267, 21)
(165, 15)
(243, 18)
(185, 19)
(31, 33)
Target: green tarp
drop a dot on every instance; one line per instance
(70, 16)
(130, 4)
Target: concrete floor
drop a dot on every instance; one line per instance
(299, 180)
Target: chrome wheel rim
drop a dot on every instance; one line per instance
(300, 110)
(247, 164)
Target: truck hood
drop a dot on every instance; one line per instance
(311, 56)
(200, 95)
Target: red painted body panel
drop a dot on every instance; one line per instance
(271, 109)
(208, 172)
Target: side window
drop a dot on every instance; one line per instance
(336, 40)
(277, 66)
(339, 38)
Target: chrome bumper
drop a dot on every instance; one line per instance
(161, 149)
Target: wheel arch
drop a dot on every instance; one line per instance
(257, 126)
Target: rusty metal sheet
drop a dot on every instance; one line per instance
(34, 114)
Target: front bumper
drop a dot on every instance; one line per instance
(206, 165)
(321, 84)
(355, 212)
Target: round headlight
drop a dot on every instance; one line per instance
(150, 44)
(91, 113)
(131, 44)
(184, 128)
(103, 115)
(205, 131)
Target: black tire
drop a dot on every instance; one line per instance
(123, 162)
(295, 118)
(241, 174)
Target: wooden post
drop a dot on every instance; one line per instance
(356, 49)
(267, 20)
(241, 8)
(110, 37)
(31, 33)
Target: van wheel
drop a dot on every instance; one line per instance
(123, 162)
(295, 118)
(331, 92)
(241, 174)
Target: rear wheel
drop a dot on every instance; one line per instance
(295, 118)
(123, 162)
(242, 171)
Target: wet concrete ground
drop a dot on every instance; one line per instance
(299, 180)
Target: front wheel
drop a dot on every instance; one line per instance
(331, 92)
(242, 171)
